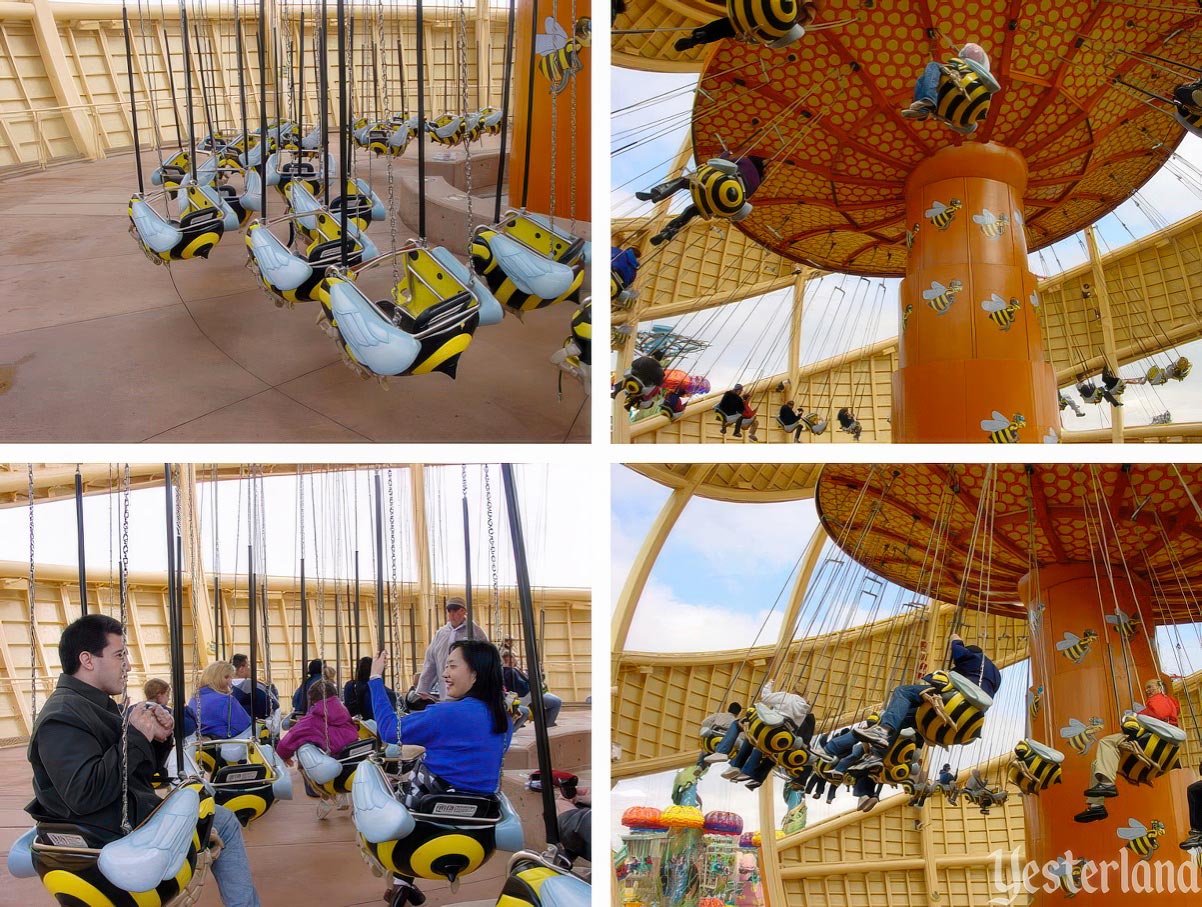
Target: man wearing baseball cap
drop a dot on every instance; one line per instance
(455, 629)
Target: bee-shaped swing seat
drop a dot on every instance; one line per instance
(246, 776)
(897, 763)
(534, 881)
(1179, 369)
(811, 422)
(492, 120)
(172, 171)
(434, 836)
(527, 263)
(439, 306)
(329, 776)
(302, 168)
(1189, 120)
(363, 205)
(448, 130)
(576, 355)
(724, 418)
(773, 735)
(771, 23)
(200, 227)
(962, 97)
(953, 710)
(1035, 767)
(1152, 748)
(717, 191)
(232, 215)
(161, 863)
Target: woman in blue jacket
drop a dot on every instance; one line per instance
(218, 712)
(465, 736)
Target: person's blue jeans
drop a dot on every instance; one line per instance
(752, 762)
(903, 705)
(552, 704)
(726, 744)
(232, 868)
(927, 86)
(840, 745)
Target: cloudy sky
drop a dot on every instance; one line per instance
(651, 115)
(721, 582)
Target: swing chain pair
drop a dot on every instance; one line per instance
(33, 663)
(392, 595)
(461, 49)
(492, 550)
(126, 827)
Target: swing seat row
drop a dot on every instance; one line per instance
(437, 836)
(161, 863)
(246, 776)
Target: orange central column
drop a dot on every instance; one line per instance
(534, 102)
(969, 341)
(1100, 681)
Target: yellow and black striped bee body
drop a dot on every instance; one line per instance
(909, 310)
(992, 225)
(1034, 701)
(559, 55)
(967, 719)
(1141, 840)
(762, 21)
(912, 236)
(1079, 736)
(962, 98)
(1001, 312)
(485, 263)
(1075, 648)
(1002, 430)
(1069, 876)
(1034, 768)
(717, 190)
(941, 215)
(939, 297)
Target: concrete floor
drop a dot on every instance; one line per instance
(298, 859)
(99, 345)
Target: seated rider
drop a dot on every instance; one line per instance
(725, 28)
(624, 266)
(1188, 97)
(356, 695)
(158, 692)
(217, 711)
(266, 697)
(790, 420)
(465, 735)
(327, 725)
(649, 370)
(1070, 403)
(751, 765)
(1105, 768)
(720, 722)
(672, 405)
(967, 661)
(750, 169)
(972, 60)
(76, 754)
(749, 420)
(515, 679)
(849, 423)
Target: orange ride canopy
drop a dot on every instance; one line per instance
(1047, 515)
(827, 111)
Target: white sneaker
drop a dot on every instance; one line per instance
(714, 758)
(731, 773)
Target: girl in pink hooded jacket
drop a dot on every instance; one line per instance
(327, 724)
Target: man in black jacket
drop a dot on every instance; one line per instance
(267, 698)
(76, 753)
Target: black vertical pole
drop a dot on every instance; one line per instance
(421, 125)
(413, 642)
(264, 139)
(530, 107)
(300, 115)
(358, 612)
(133, 111)
(241, 83)
(304, 606)
(343, 106)
(183, 27)
(505, 113)
(337, 639)
(83, 569)
(467, 571)
(174, 624)
(533, 664)
(323, 80)
(254, 639)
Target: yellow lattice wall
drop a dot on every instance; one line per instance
(564, 615)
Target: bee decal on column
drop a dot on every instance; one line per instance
(992, 225)
(1001, 312)
(1068, 875)
(941, 215)
(909, 310)
(1123, 622)
(912, 236)
(1142, 841)
(1034, 701)
(558, 55)
(1034, 299)
(1002, 430)
(1074, 647)
(939, 297)
(1035, 617)
(1081, 737)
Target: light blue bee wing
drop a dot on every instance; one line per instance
(937, 289)
(153, 230)
(382, 347)
(1018, 218)
(936, 209)
(995, 424)
(1070, 640)
(1134, 830)
(994, 303)
(1074, 727)
(377, 205)
(303, 203)
(985, 218)
(553, 40)
(1034, 299)
(278, 266)
(1060, 869)
(531, 272)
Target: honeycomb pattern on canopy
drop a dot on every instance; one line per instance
(826, 112)
(989, 531)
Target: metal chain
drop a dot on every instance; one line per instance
(33, 626)
(125, 824)
(393, 603)
(461, 49)
(572, 138)
(492, 552)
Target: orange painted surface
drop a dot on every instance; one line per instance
(959, 361)
(531, 21)
(1085, 690)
